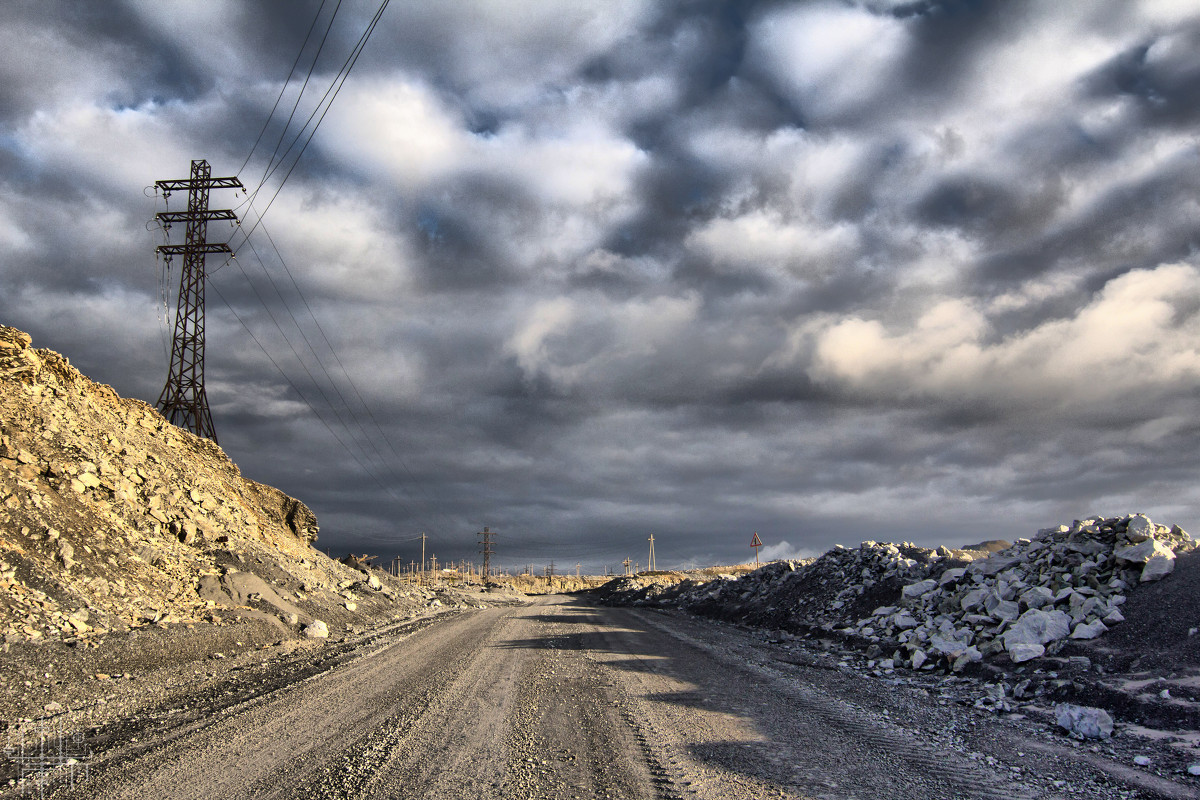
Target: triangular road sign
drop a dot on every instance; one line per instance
(756, 542)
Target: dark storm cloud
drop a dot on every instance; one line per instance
(824, 270)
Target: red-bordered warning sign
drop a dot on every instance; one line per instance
(756, 542)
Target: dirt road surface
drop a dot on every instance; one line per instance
(563, 699)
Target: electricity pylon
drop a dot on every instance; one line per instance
(183, 400)
(487, 552)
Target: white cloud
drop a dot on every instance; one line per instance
(833, 58)
(395, 126)
(128, 149)
(762, 240)
(598, 341)
(1136, 338)
(511, 55)
(529, 343)
(337, 241)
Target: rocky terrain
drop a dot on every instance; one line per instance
(1092, 626)
(150, 593)
(131, 549)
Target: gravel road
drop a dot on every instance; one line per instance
(563, 699)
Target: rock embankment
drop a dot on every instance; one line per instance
(113, 519)
(920, 608)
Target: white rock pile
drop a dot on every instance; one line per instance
(944, 607)
(1067, 582)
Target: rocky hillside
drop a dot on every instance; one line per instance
(113, 519)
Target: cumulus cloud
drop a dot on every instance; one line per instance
(1136, 336)
(833, 59)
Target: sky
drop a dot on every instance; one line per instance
(588, 272)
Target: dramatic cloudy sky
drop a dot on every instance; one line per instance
(591, 271)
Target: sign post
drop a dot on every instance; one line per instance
(756, 543)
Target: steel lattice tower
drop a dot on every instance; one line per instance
(487, 552)
(183, 400)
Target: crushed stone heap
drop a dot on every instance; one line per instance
(1067, 582)
(112, 518)
(944, 607)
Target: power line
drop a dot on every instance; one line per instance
(286, 81)
(296, 389)
(354, 417)
(326, 100)
(287, 123)
(354, 387)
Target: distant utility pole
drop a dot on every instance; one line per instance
(626, 563)
(183, 400)
(552, 570)
(577, 566)
(421, 577)
(650, 563)
(487, 552)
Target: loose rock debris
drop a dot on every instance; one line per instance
(1031, 629)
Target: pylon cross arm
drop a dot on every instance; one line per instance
(183, 249)
(201, 183)
(200, 216)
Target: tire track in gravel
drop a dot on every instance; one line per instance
(570, 737)
(266, 748)
(728, 728)
(523, 714)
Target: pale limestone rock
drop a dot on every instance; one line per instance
(1022, 652)
(919, 589)
(316, 629)
(1159, 566)
(1140, 528)
(974, 599)
(1088, 630)
(1084, 722)
(1038, 627)
(951, 575)
(1006, 609)
(1143, 551)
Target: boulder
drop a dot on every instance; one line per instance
(316, 629)
(1142, 552)
(1036, 597)
(950, 647)
(1083, 722)
(1088, 630)
(1140, 528)
(1038, 627)
(974, 599)
(1159, 566)
(1020, 652)
(914, 590)
(1006, 609)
